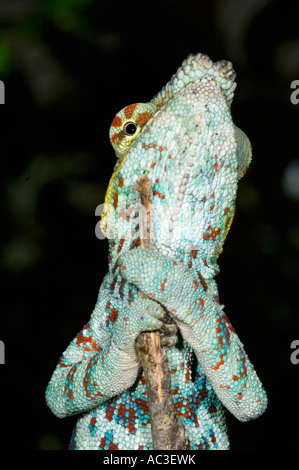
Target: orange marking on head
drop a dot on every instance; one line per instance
(129, 110)
(117, 136)
(142, 118)
(117, 122)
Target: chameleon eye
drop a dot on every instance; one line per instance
(129, 128)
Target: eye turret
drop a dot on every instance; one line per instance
(127, 125)
(129, 128)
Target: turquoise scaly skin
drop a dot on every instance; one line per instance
(185, 141)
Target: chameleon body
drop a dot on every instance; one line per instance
(185, 141)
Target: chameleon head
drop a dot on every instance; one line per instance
(185, 141)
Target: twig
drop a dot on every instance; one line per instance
(167, 430)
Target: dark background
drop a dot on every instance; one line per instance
(68, 68)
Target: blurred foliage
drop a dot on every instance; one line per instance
(68, 67)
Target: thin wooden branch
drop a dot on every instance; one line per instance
(167, 430)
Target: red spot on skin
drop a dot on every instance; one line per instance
(112, 285)
(211, 233)
(129, 110)
(113, 315)
(224, 332)
(187, 374)
(157, 180)
(153, 165)
(203, 445)
(93, 421)
(68, 389)
(163, 285)
(235, 378)
(87, 379)
(120, 182)
(130, 296)
(193, 251)
(202, 281)
(240, 396)
(154, 146)
(120, 245)
(226, 211)
(135, 243)
(61, 363)
(115, 200)
(121, 287)
(161, 196)
(82, 340)
(212, 408)
(189, 264)
(117, 122)
(196, 284)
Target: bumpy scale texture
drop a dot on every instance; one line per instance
(184, 140)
